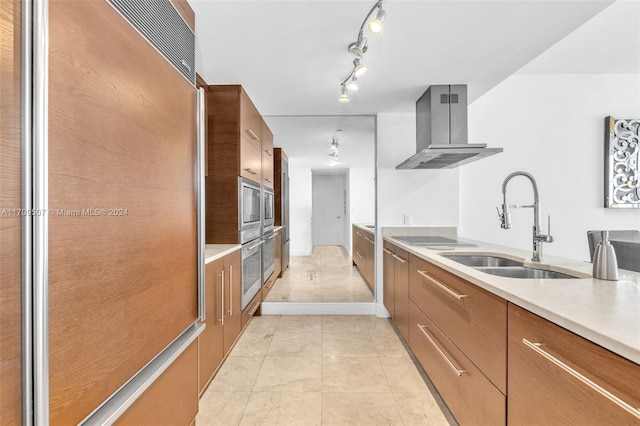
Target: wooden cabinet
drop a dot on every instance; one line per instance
(223, 287)
(396, 286)
(277, 260)
(232, 299)
(250, 120)
(363, 254)
(459, 333)
(267, 157)
(469, 395)
(10, 225)
(172, 399)
(474, 319)
(234, 149)
(252, 308)
(210, 341)
(557, 377)
(250, 161)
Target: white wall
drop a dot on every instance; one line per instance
(300, 209)
(429, 196)
(361, 193)
(553, 127)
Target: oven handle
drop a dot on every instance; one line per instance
(250, 251)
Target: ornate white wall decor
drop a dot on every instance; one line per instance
(621, 173)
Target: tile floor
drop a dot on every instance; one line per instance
(319, 370)
(328, 275)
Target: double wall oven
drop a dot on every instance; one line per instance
(268, 250)
(250, 219)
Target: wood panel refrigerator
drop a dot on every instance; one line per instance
(111, 164)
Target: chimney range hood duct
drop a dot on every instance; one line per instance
(441, 131)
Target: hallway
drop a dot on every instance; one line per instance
(312, 370)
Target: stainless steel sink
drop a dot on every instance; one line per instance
(476, 261)
(522, 272)
(503, 267)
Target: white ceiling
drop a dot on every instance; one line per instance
(291, 56)
(307, 140)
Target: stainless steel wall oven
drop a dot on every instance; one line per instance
(250, 211)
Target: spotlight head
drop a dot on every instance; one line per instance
(359, 70)
(352, 86)
(358, 48)
(344, 98)
(375, 25)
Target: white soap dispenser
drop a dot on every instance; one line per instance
(605, 263)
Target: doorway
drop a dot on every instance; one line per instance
(329, 207)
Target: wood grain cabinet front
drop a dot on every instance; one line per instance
(557, 377)
(223, 315)
(210, 341)
(250, 161)
(250, 121)
(267, 156)
(474, 319)
(363, 254)
(470, 396)
(396, 286)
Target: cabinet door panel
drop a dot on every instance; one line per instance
(388, 285)
(210, 341)
(10, 225)
(250, 161)
(401, 296)
(472, 317)
(121, 287)
(172, 399)
(232, 299)
(542, 392)
(250, 121)
(472, 398)
(267, 171)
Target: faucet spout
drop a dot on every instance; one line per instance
(505, 216)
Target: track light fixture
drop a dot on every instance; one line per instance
(358, 48)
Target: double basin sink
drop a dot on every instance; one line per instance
(503, 267)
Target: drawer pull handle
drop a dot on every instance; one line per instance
(442, 286)
(222, 298)
(358, 232)
(253, 135)
(359, 255)
(269, 153)
(602, 391)
(230, 291)
(253, 172)
(269, 180)
(451, 365)
(388, 251)
(253, 311)
(399, 258)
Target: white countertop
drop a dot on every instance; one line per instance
(364, 228)
(216, 251)
(604, 312)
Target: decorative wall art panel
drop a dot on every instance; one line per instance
(621, 185)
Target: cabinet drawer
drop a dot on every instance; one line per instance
(554, 375)
(474, 319)
(470, 396)
(252, 308)
(250, 161)
(267, 171)
(250, 121)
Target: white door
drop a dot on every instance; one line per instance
(328, 210)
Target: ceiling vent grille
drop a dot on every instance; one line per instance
(161, 24)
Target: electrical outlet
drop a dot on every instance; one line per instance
(407, 219)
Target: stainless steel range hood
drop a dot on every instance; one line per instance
(441, 131)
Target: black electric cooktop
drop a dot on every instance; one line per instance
(430, 240)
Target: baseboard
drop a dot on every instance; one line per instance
(318, 308)
(381, 311)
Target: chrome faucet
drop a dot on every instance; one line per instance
(505, 215)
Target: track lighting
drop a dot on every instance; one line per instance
(358, 48)
(375, 25)
(344, 98)
(352, 86)
(359, 69)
